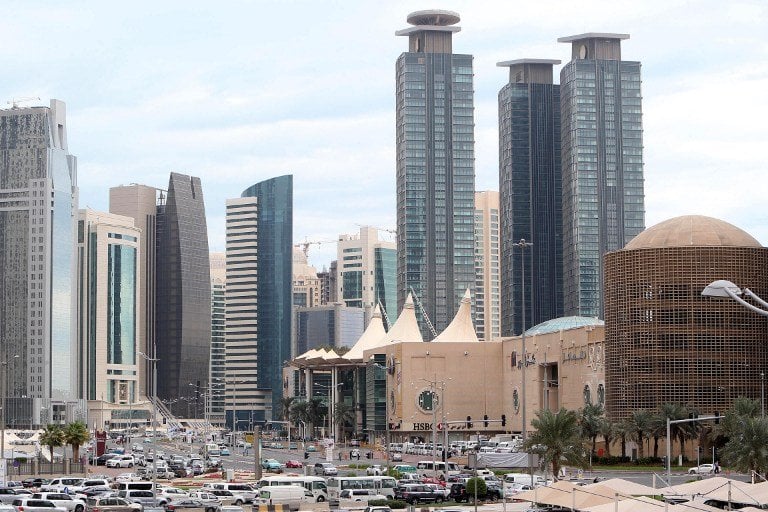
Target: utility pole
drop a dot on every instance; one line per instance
(257, 452)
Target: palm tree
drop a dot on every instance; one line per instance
(557, 438)
(590, 422)
(742, 408)
(673, 412)
(344, 414)
(622, 432)
(607, 429)
(640, 424)
(747, 449)
(658, 430)
(300, 412)
(52, 437)
(285, 403)
(316, 410)
(76, 434)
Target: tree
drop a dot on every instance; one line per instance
(557, 438)
(344, 414)
(52, 437)
(590, 422)
(658, 431)
(747, 449)
(640, 424)
(316, 410)
(607, 429)
(482, 488)
(76, 434)
(285, 403)
(300, 412)
(622, 430)
(674, 412)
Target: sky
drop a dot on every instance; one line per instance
(237, 92)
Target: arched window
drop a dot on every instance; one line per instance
(600, 394)
(587, 394)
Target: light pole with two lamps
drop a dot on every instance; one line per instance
(522, 245)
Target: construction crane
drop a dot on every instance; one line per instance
(306, 243)
(393, 231)
(14, 103)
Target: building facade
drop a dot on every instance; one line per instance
(530, 195)
(307, 284)
(487, 275)
(435, 168)
(665, 342)
(140, 203)
(367, 273)
(274, 236)
(38, 236)
(602, 156)
(183, 309)
(332, 325)
(215, 396)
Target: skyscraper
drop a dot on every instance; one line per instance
(530, 194)
(435, 168)
(183, 297)
(218, 370)
(487, 278)
(38, 222)
(272, 244)
(367, 272)
(602, 155)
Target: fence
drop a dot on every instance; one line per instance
(15, 469)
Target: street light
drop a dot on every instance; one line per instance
(522, 244)
(153, 360)
(386, 406)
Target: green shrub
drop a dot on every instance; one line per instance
(393, 504)
(481, 487)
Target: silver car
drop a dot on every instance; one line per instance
(33, 505)
(61, 500)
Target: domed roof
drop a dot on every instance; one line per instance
(692, 231)
(563, 324)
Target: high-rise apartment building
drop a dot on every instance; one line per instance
(109, 258)
(435, 168)
(259, 258)
(38, 236)
(183, 308)
(367, 273)
(530, 195)
(602, 158)
(334, 325)
(487, 273)
(217, 369)
(140, 203)
(307, 285)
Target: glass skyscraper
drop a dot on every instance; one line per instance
(435, 168)
(530, 191)
(274, 286)
(183, 297)
(38, 215)
(602, 154)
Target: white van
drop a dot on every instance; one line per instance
(524, 479)
(244, 490)
(437, 468)
(292, 495)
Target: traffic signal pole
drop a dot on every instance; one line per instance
(671, 422)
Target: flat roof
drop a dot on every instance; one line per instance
(433, 17)
(422, 28)
(592, 35)
(508, 63)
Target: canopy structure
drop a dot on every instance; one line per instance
(644, 504)
(406, 328)
(565, 494)
(741, 492)
(627, 488)
(461, 328)
(372, 337)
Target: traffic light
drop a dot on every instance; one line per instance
(503, 420)
(717, 417)
(469, 421)
(485, 421)
(369, 455)
(306, 455)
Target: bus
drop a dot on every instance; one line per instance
(315, 484)
(381, 484)
(437, 468)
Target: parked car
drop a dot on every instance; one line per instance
(374, 470)
(111, 504)
(207, 498)
(63, 484)
(7, 495)
(34, 482)
(33, 505)
(224, 451)
(293, 464)
(145, 498)
(6, 508)
(121, 461)
(101, 460)
(181, 504)
(361, 495)
(228, 497)
(703, 469)
(416, 493)
(326, 469)
(61, 500)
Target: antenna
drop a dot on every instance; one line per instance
(14, 103)
(424, 313)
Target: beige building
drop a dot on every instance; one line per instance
(487, 266)
(307, 287)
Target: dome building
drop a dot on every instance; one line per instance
(665, 342)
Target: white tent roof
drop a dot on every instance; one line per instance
(741, 492)
(371, 338)
(698, 487)
(406, 328)
(628, 488)
(461, 328)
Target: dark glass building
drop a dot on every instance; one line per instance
(435, 168)
(183, 298)
(530, 191)
(334, 325)
(274, 289)
(602, 148)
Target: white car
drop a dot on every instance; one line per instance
(704, 469)
(127, 477)
(61, 500)
(361, 495)
(374, 470)
(121, 461)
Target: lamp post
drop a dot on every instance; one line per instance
(386, 408)
(153, 360)
(522, 244)
(3, 378)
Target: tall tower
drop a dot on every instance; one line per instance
(274, 287)
(603, 194)
(487, 279)
(435, 168)
(38, 236)
(218, 371)
(183, 297)
(530, 190)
